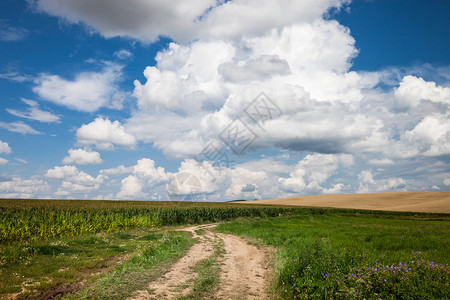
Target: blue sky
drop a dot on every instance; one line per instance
(102, 100)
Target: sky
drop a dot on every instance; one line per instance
(222, 100)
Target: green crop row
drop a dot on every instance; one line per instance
(36, 223)
(22, 220)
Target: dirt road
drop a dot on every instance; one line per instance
(244, 269)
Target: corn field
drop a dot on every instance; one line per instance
(22, 220)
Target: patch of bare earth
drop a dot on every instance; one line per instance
(244, 269)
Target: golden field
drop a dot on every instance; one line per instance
(430, 202)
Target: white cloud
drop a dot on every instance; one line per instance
(82, 157)
(447, 181)
(17, 187)
(4, 148)
(123, 54)
(144, 177)
(412, 90)
(228, 183)
(117, 171)
(19, 127)
(430, 137)
(182, 21)
(103, 134)
(182, 79)
(130, 187)
(205, 96)
(88, 91)
(72, 173)
(34, 113)
(3, 161)
(62, 172)
(367, 184)
(313, 171)
(73, 180)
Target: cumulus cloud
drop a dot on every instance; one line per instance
(430, 137)
(19, 127)
(82, 157)
(206, 96)
(182, 21)
(73, 180)
(18, 187)
(182, 80)
(88, 91)
(4, 148)
(104, 134)
(217, 184)
(367, 184)
(412, 90)
(117, 171)
(144, 177)
(313, 171)
(34, 113)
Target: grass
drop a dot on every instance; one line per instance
(344, 256)
(32, 268)
(137, 272)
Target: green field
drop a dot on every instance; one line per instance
(355, 256)
(112, 248)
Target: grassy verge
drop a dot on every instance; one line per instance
(65, 265)
(141, 268)
(360, 257)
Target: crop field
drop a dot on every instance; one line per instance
(431, 202)
(62, 247)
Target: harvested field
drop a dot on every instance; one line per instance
(429, 202)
